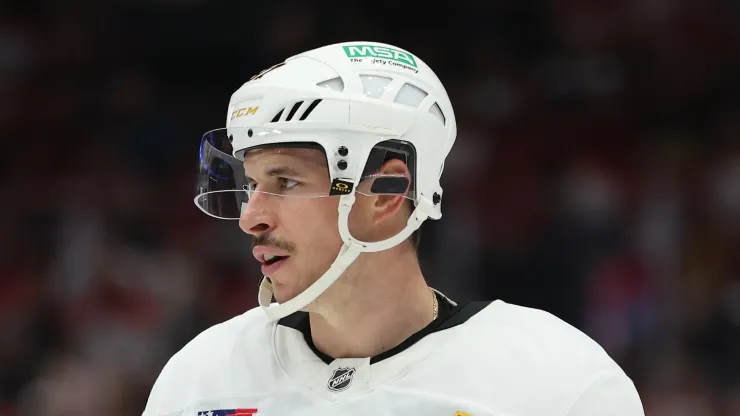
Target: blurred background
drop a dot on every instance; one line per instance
(596, 175)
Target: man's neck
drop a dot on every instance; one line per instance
(382, 301)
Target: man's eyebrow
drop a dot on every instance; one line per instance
(279, 170)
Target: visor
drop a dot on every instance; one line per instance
(239, 164)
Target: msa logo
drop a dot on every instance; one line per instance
(341, 379)
(370, 51)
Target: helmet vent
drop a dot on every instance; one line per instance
(294, 109)
(333, 84)
(438, 112)
(310, 108)
(374, 86)
(410, 95)
(277, 116)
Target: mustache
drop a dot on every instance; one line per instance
(270, 241)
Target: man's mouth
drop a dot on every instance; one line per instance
(271, 259)
(269, 255)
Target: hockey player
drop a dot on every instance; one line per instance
(331, 160)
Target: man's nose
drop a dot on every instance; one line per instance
(257, 217)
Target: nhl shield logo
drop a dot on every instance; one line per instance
(341, 379)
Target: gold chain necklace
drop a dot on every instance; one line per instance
(436, 305)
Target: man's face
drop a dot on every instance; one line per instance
(300, 226)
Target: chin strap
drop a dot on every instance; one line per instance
(346, 256)
(349, 253)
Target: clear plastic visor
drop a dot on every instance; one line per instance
(294, 167)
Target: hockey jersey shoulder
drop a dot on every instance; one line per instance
(567, 371)
(521, 360)
(206, 365)
(543, 336)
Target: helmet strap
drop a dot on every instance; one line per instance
(348, 254)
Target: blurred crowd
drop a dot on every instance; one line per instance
(596, 175)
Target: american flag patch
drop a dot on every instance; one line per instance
(229, 412)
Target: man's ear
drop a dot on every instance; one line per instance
(386, 205)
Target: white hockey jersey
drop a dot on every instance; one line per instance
(476, 359)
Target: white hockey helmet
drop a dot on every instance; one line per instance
(355, 101)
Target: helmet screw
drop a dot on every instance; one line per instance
(342, 164)
(342, 151)
(249, 132)
(436, 198)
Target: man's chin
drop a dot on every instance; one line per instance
(283, 292)
(287, 284)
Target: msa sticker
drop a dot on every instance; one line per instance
(340, 187)
(341, 379)
(381, 55)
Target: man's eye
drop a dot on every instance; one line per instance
(286, 183)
